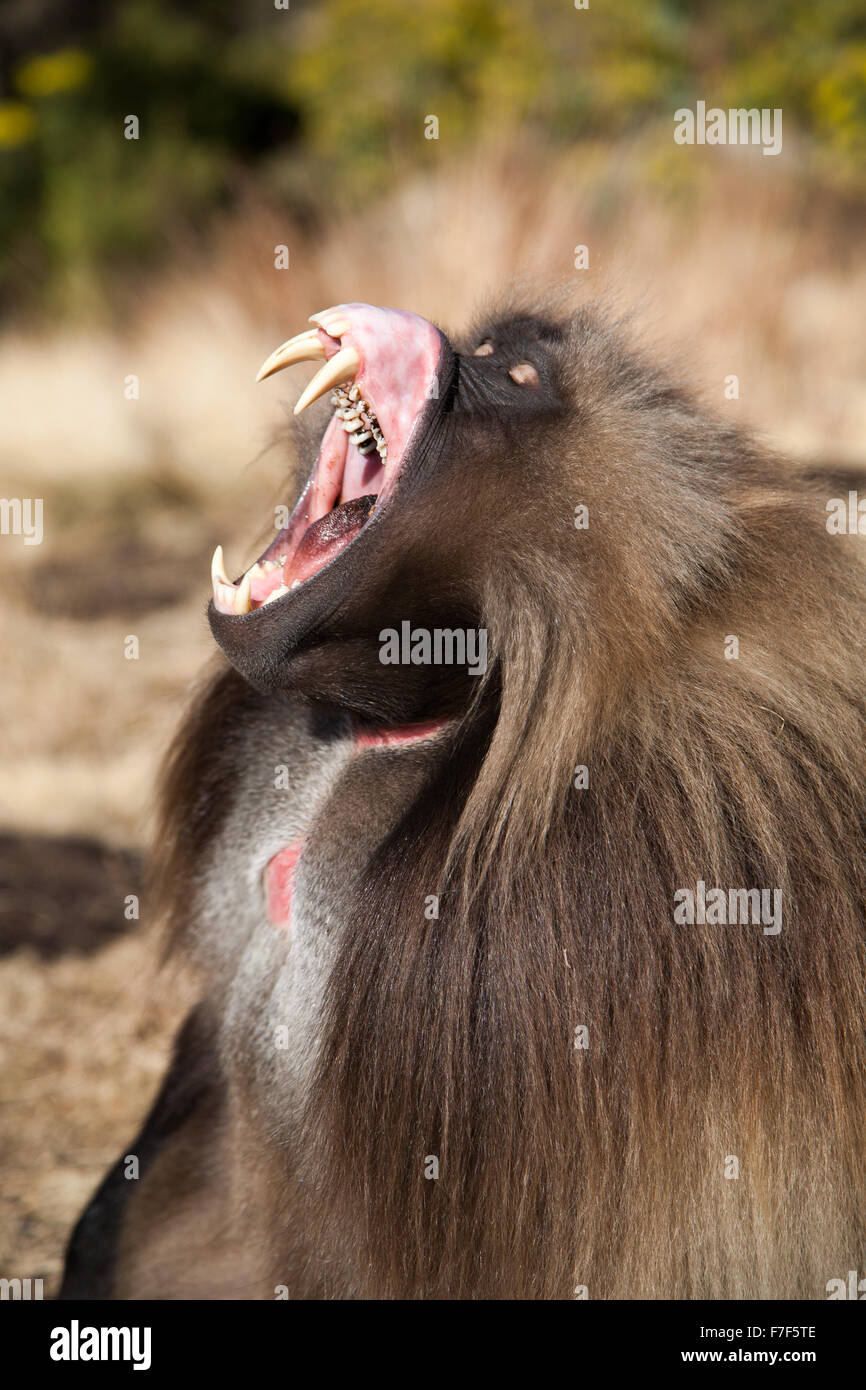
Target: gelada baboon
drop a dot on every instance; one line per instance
(545, 976)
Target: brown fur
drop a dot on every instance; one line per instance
(604, 1167)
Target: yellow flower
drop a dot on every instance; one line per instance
(50, 73)
(17, 124)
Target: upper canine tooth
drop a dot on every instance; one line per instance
(342, 367)
(243, 603)
(305, 347)
(217, 569)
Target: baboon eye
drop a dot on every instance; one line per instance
(484, 349)
(524, 374)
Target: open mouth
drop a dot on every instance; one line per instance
(380, 366)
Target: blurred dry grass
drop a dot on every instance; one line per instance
(737, 269)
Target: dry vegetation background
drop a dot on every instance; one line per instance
(742, 270)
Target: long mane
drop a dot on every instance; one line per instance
(615, 1102)
(609, 1166)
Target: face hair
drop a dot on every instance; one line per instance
(411, 1035)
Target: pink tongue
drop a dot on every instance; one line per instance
(262, 585)
(327, 537)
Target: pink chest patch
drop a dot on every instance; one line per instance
(279, 877)
(280, 883)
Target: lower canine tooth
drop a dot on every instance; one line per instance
(217, 568)
(243, 603)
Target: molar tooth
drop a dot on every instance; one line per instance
(361, 437)
(341, 367)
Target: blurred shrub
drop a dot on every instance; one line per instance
(328, 99)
